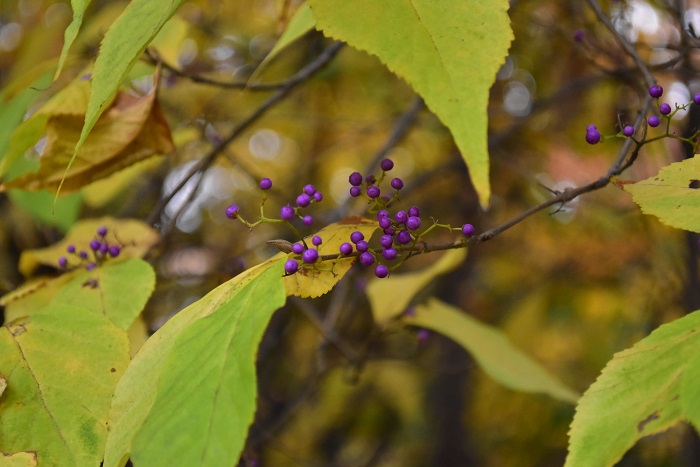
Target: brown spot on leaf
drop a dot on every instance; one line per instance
(92, 283)
(352, 220)
(650, 418)
(694, 184)
(112, 370)
(18, 326)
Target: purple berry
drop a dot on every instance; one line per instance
(370, 180)
(591, 127)
(70, 248)
(355, 179)
(386, 241)
(291, 266)
(413, 223)
(345, 248)
(316, 240)
(423, 336)
(390, 231)
(468, 230)
(696, 98)
(232, 211)
(654, 121)
(362, 245)
(355, 191)
(628, 130)
(401, 217)
(265, 183)
(62, 262)
(367, 259)
(414, 211)
(356, 236)
(310, 256)
(579, 35)
(309, 189)
(389, 253)
(287, 213)
(308, 221)
(104, 248)
(102, 231)
(592, 136)
(382, 213)
(665, 109)
(114, 251)
(381, 271)
(387, 165)
(397, 183)
(95, 245)
(656, 91)
(318, 196)
(303, 200)
(404, 237)
(83, 254)
(384, 222)
(90, 266)
(298, 248)
(373, 191)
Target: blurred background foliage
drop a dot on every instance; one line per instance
(569, 287)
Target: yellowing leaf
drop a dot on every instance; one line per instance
(491, 349)
(49, 359)
(389, 297)
(673, 195)
(135, 236)
(132, 130)
(448, 51)
(19, 459)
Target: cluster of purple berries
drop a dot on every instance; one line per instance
(99, 247)
(593, 136)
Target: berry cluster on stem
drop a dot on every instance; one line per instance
(98, 251)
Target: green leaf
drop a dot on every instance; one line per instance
(491, 349)
(448, 51)
(79, 7)
(41, 206)
(197, 371)
(672, 195)
(643, 390)
(386, 304)
(122, 46)
(62, 365)
(118, 290)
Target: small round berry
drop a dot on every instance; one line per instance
(63, 262)
(114, 251)
(370, 180)
(423, 336)
(413, 223)
(397, 183)
(318, 196)
(316, 240)
(345, 248)
(90, 266)
(654, 121)
(310, 256)
(656, 91)
(381, 271)
(355, 191)
(384, 222)
(386, 241)
(356, 236)
(308, 221)
(298, 248)
(389, 253)
(414, 211)
(592, 136)
(579, 35)
(382, 213)
(387, 165)
(591, 127)
(266, 184)
(355, 179)
(696, 98)
(628, 130)
(373, 191)
(390, 231)
(468, 230)
(102, 231)
(401, 217)
(83, 254)
(309, 189)
(665, 109)
(362, 245)
(95, 245)
(367, 259)
(303, 200)
(232, 211)
(291, 266)
(404, 237)
(104, 248)
(70, 248)
(287, 213)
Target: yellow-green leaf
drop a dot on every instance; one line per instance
(79, 7)
(389, 297)
(18, 459)
(491, 349)
(448, 51)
